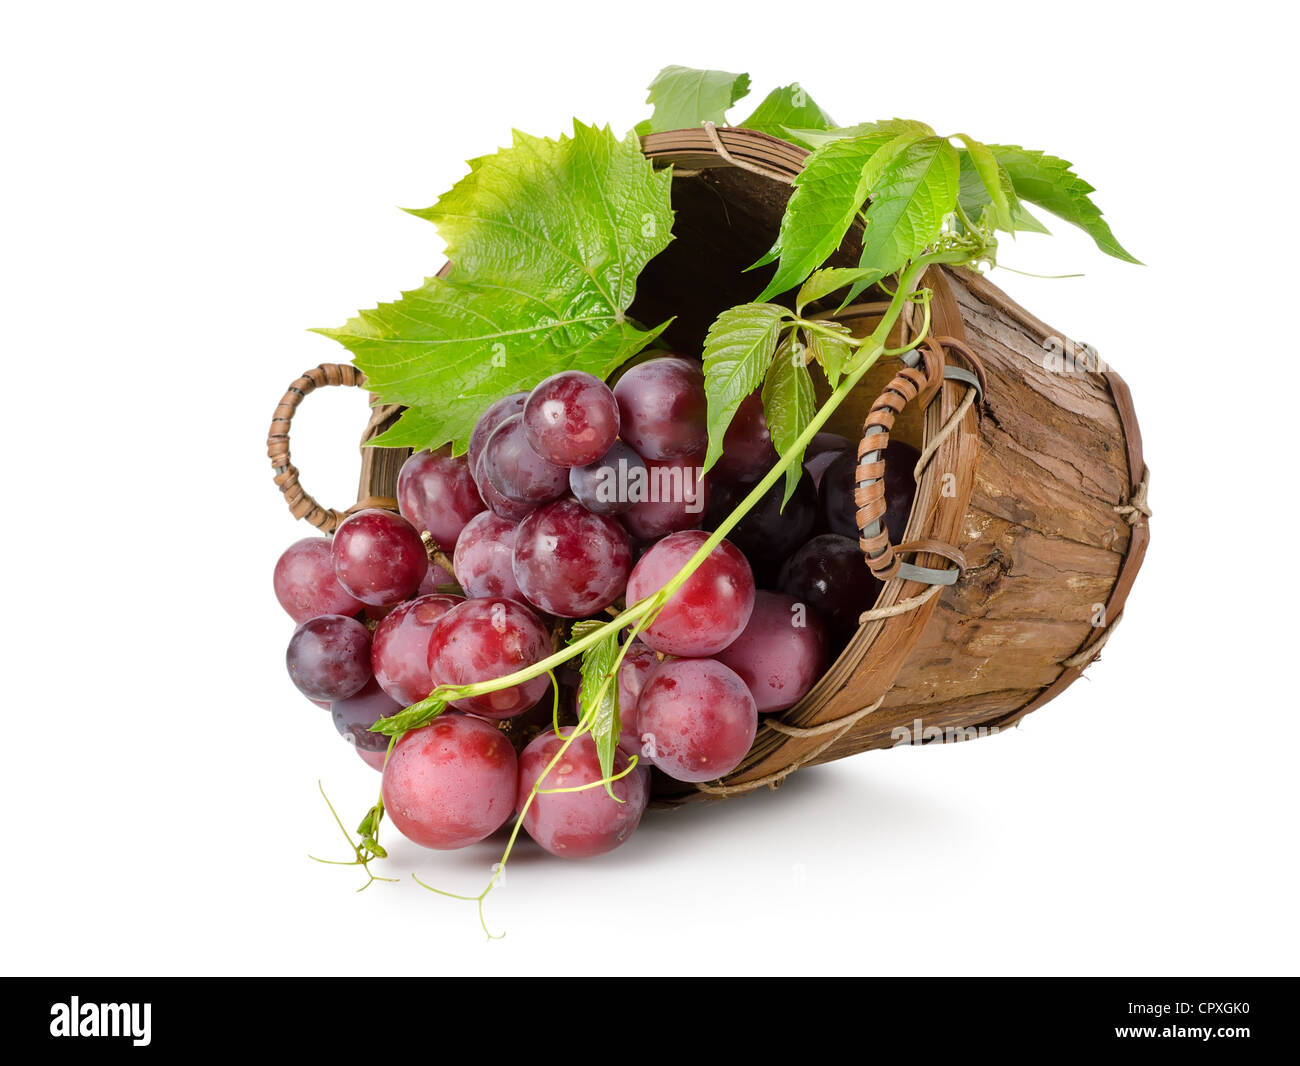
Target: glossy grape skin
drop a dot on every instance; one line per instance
(436, 492)
(570, 562)
(379, 557)
(305, 583)
(711, 608)
(697, 717)
(571, 418)
(766, 534)
(816, 467)
(577, 825)
(782, 652)
(373, 759)
(399, 650)
(354, 716)
(488, 421)
(830, 574)
(510, 510)
(827, 442)
(839, 510)
(329, 657)
(484, 558)
(516, 471)
(482, 640)
(638, 664)
(747, 451)
(604, 487)
(451, 783)
(675, 497)
(662, 408)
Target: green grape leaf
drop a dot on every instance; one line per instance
(684, 97)
(598, 693)
(789, 404)
(831, 352)
(787, 106)
(990, 173)
(815, 137)
(413, 717)
(975, 200)
(737, 353)
(912, 192)
(546, 239)
(828, 194)
(827, 280)
(1049, 182)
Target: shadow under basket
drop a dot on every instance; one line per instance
(1030, 518)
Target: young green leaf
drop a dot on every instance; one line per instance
(825, 281)
(831, 352)
(785, 107)
(684, 97)
(911, 195)
(789, 404)
(989, 172)
(414, 716)
(815, 137)
(975, 200)
(547, 239)
(737, 352)
(1049, 182)
(827, 195)
(598, 694)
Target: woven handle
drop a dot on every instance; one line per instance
(301, 503)
(869, 481)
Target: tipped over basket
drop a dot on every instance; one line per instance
(1030, 519)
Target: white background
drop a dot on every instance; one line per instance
(185, 190)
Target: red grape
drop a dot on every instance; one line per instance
(488, 421)
(711, 608)
(378, 557)
(482, 640)
(747, 452)
(354, 716)
(606, 486)
(571, 418)
(570, 562)
(516, 471)
(305, 583)
(434, 577)
(399, 651)
(450, 783)
(374, 759)
(662, 408)
(674, 498)
(329, 657)
(698, 719)
(830, 574)
(781, 653)
(577, 825)
(437, 494)
(484, 558)
(638, 664)
(498, 504)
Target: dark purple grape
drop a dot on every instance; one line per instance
(662, 408)
(605, 486)
(839, 510)
(516, 471)
(329, 657)
(747, 452)
(571, 419)
(830, 575)
(354, 716)
(673, 497)
(767, 534)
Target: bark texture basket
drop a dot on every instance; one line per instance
(1031, 490)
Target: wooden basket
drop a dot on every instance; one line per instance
(1030, 518)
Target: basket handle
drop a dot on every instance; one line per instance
(922, 375)
(301, 503)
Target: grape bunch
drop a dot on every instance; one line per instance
(573, 501)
